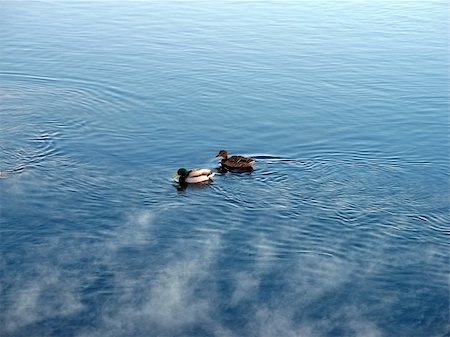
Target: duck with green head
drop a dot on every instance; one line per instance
(193, 176)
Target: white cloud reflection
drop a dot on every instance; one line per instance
(181, 293)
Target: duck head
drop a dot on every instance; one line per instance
(223, 154)
(182, 172)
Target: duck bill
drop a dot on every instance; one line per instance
(176, 175)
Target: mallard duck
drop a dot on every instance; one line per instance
(193, 176)
(237, 162)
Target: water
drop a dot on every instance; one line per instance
(342, 228)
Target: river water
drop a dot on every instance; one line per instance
(341, 229)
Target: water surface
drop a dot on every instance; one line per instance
(341, 229)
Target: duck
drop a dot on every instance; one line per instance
(194, 176)
(236, 162)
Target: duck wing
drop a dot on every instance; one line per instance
(199, 176)
(239, 161)
(199, 172)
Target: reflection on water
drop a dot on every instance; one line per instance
(340, 229)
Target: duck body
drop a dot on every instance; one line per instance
(194, 176)
(235, 162)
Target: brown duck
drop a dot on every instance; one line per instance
(237, 162)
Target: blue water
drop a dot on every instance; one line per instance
(341, 229)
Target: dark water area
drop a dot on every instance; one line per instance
(341, 229)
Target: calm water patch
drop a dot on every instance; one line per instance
(341, 229)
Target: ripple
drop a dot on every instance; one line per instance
(341, 197)
(52, 132)
(81, 92)
(437, 222)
